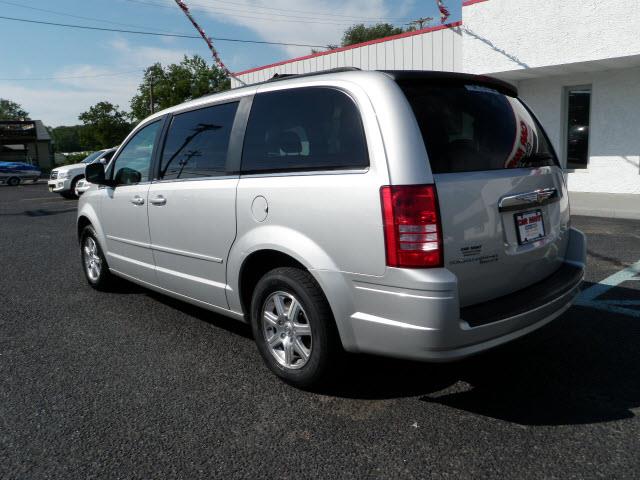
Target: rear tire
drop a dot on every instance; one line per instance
(294, 328)
(13, 182)
(94, 263)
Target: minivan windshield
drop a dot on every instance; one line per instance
(467, 127)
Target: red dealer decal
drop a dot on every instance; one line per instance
(532, 219)
(522, 148)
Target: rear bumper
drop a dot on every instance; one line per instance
(420, 318)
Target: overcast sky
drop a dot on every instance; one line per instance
(109, 65)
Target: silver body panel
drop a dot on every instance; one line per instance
(193, 245)
(190, 255)
(124, 219)
(481, 223)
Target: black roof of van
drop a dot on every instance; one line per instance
(410, 76)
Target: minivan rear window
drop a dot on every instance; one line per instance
(468, 127)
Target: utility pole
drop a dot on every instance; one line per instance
(151, 107)
(421, 22)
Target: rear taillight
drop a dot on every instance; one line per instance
(412, 231)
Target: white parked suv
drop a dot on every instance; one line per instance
(421, 215)
(63, 179)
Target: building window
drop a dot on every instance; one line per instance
(578, 107)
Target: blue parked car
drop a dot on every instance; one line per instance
(12, 173)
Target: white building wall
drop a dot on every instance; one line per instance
(438, 48)
(614, 143)
(503, 35)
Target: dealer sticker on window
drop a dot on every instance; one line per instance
(530, 226)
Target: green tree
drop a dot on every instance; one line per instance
(67, 138)
(104, 126)
(12, 111)
(167, 86)
(361, 33)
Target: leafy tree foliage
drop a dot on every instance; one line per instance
(176, 83)
(104, 126)
(362, 33)
(67, 139)
(12, 111)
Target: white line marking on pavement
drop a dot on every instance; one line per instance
(588, 297)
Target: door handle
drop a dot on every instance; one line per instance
(159, 200)
(137, 200)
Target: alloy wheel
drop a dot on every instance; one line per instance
(286, 330)
(92, 261)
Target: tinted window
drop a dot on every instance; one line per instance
(133, 162)
(471, 127)
(197, 142)
(304, 129)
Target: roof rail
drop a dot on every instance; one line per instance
(283, 76)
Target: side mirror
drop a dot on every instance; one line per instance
(94, 173)
(127, 176)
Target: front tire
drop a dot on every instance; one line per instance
(71, 194)
(13, 182)
(94, 264)
(293, 327)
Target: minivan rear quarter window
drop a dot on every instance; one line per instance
(313, 128)
(197, 142)
(468, 127)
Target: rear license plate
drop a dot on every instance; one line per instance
(529, 226)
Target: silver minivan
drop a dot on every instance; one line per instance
(420, 215)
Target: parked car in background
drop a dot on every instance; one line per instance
(63, 179)
(421, 215)
(82, 186)
(13, 173)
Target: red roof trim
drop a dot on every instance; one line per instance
(357, 45)
(472, 2)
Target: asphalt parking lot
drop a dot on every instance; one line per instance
(134, 385)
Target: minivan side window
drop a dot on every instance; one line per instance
(197, 143)
(312, 128)
(133, 162)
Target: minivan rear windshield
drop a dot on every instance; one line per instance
(468, 127)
